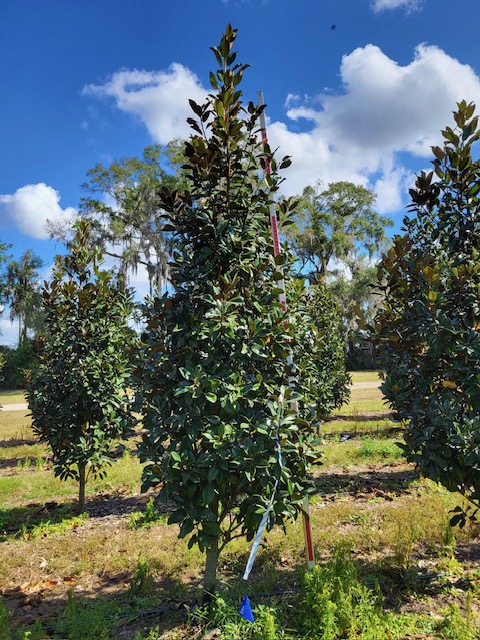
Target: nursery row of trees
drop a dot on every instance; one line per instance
(227, 420)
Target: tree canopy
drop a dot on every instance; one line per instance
(213, 374)
(428, 328)
(124, 211)
(22, 292)
(78, 396)
(336, 224)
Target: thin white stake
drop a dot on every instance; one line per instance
(283, 301)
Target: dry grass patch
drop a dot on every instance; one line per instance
(15, 425)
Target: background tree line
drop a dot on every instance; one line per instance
(336, 237)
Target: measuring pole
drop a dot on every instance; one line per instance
(283, 301)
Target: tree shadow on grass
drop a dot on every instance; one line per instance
(361, 417)
(387, 482)
(104, 505)
(348, 434)
(108, 608)
(17, 442)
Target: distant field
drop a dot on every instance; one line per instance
(11, 396)
(365, 376)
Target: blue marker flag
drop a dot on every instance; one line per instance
(246, 610)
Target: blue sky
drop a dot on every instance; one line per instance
(91, 81)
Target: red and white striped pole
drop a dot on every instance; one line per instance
(283, 301)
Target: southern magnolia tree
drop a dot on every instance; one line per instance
(319, 349)
(215, 360)
(78, 397)
(428, 330)
(337, 237)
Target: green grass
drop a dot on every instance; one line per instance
(32, 485)
(368, 501)
(365, 376)
(374, 427)
(12, 396)
(358, 451)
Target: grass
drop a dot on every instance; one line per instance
(12, 396)
(374, 522)
(357, 451)
(15, 425)
(363, 402)
(32, 485)
(365, 376)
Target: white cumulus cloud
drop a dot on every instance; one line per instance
(382, 111)
(408, 5)
(31, 207)
(158, 98)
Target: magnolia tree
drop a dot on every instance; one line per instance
(78, 397)
(212, 375)
(319, 350)
(428, 330)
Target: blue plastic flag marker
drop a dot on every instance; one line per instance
(246, 610)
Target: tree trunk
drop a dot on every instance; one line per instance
(211, 563)
(20, 334)
(81, 488)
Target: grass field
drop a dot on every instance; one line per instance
(389, 566)
(14, 396)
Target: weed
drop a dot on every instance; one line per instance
(455, 626)
(449, 542)
(407, 535)
(142, 582)
(24, 464)
(334, 604)
(372, 448)
(266, 626)
(223, 615)
(84, 621)
(4, 622)
(148, 518)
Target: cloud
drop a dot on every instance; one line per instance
(8, 332)
(31, 207)
(408, 5)
(158, 98)
(383, 114)
(385, 110)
